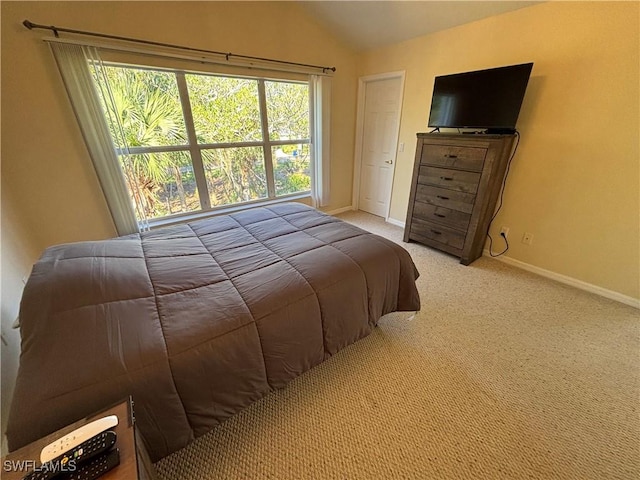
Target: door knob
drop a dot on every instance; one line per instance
(388, 161)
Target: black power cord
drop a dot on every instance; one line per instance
(504, 237)
(504, 182)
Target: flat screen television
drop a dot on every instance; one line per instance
(484, 99)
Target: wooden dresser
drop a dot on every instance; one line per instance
(456, 182)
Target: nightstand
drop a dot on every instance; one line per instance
(134, 460)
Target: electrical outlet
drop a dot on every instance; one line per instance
(504, 231)
(527, 238)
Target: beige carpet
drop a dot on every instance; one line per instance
(502, 375)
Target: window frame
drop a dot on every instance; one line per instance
(195, 149)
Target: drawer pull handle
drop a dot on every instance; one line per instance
(441, 197)
(439, 215)
(436, 232)
(450, 156)
(446, 178)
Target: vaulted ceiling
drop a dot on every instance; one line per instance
(364, 25)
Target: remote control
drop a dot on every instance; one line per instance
(75, 438)
(96, 467)
(83, 452)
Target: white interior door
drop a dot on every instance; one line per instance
(379, 143)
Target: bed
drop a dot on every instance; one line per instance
(199, 320)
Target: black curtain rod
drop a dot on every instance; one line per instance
(227, 55)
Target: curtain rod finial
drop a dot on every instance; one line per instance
(28, 24)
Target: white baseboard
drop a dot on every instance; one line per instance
(395, 222)
(574, 282)
(339, 210)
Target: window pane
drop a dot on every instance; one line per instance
(287, 110)
(225, 110)
(235, 174)
(163, 183)
(147, 105)
(291, 168)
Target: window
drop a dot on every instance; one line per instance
(190, 142)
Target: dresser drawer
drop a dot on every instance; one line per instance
(438, 233)
(441, 215)
(441, 197)
(450, 156)
(458, 180)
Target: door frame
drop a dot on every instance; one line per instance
(357, 162)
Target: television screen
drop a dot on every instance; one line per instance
(488, 99)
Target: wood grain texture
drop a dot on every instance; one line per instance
(456, 182)
(438, 233)
(441, 197)
(442, 215)
(453, 156)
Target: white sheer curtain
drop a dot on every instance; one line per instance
(73, 62)
(320, 88)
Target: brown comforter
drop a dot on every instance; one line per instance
(199, 320)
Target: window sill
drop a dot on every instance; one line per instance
(190, 217)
